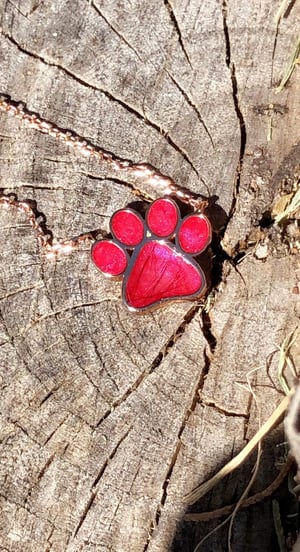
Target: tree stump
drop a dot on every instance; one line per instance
(109, 419)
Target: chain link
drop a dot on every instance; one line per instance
(44, 238)
(164, 184)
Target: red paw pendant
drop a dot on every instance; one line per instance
(158, 269)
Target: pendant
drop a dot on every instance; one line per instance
(155, 256)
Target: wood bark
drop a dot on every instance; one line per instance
(109, 419)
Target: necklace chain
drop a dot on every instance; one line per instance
(146, 172)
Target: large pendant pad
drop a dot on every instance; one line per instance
(161, 267)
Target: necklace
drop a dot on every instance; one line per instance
(154, 255)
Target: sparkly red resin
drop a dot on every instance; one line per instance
(128, 227)
(194, 234)
(109, 258)
(162, 217)
(159, 272)
(158, 269)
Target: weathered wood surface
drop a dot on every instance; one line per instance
(108, 419)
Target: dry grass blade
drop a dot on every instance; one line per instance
(200, 491)
(281, 10)
(290, 68)
(292, 206)
(292, 428)
(237, 506)
(254, 471)
(254, 499)
(285, 360)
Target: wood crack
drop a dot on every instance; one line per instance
(21, 290)
(17, 424)
(189, 411)
(211, 340)
(96, 481)
(155, 522)
(167, 347)
(124, 397)
(48, 395)
(115, 30)
(192, 104)
(110, 457)
(99, 355)
(243, 133)
(46, 466)
(207, 331)
(247, 417)
(24, 506)
(55, 430)
(162, 354)
(78, 362)
(129, 108)
(222, 410)
(32, 186)
(176, 26)
(49, 546)
(143, 196)
(61, 311)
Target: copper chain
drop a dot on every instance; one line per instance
(146, 172)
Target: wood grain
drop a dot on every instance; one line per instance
(108, 419)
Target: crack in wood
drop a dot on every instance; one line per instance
(25, 507)
(48, 395)
(124, 397)
(128, 336)
(31, 186)
(57, 313)
(100, 357)
(96, 481)
(162, 354)
(229, 413)
(115, 30)
(17, 424)
(155, 522)
(190, 410)
(110, 457)
(18, 10)
(55, 430)
(187, 319)
(129, 108)
(176, 26)
(247, 417)
(46, 466)
(207, 331)
(193, 105)
(21, 290)
(74, 354)
(48, 539)
(234, 84)
(143, 196)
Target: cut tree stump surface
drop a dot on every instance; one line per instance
(107, 418)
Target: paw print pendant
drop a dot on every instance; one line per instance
(155, 256)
